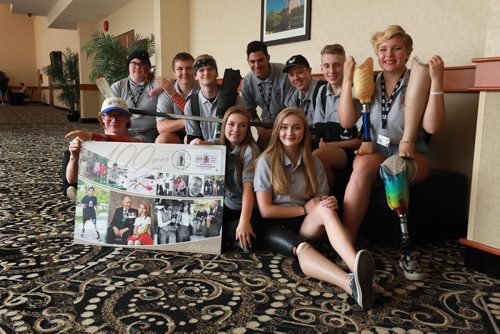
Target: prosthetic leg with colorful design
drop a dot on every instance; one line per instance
(417, 94)
(364, 87)
(396, 173)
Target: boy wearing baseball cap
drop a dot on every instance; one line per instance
(115, 120)
(138, 91)
(306, 87)
(199, 132)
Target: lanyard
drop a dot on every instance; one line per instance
(267, 101)
(132, 95)
(387, 102)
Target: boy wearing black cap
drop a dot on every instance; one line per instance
(204, 103)
(136, 90)
(265, 86)
(306, 87)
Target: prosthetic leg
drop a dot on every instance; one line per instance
(227, 94)
(396, 173)
(417, 94)
(364, 87)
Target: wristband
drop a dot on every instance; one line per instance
(437, 93)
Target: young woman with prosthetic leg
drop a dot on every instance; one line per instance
(396, 127)
(292, 194)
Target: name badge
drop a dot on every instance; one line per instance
(383, 140)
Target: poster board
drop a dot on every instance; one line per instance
(171, 195)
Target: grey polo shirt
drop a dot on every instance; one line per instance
(167, 106)
(269, 94)
(207, 109)
(233, 195)
(295, 196)
(139, 123)
(298, 100)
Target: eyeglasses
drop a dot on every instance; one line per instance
(136, 64)
(109, 117)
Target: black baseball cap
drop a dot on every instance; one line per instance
(297, 60)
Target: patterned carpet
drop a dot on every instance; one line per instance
(50, 285)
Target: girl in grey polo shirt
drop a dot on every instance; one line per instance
(240, 216)
(292, 194)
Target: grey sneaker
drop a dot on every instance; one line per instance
(71, 193)
(411, 267)
(361, 281)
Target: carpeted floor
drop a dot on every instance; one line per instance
(50, 285)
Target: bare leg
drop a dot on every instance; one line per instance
(332, 158)
(316, 265)
(358, 190)
(167, 137)
(323, 219)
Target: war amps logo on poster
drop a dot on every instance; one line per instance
(154, 196)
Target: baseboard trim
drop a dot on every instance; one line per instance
(481, 257)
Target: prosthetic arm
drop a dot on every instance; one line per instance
(417, 94)
(364, 87)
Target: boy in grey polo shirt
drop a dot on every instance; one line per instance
(265, 86)
(303, 97)
(173, 100)
(205, 72)
(135, 90)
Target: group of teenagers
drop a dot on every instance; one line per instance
(278, 187)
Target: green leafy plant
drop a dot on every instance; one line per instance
(109, 57)
(67, 80)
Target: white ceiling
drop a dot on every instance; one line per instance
(65, 14)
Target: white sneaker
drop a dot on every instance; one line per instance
(71, 193)
(411, 267)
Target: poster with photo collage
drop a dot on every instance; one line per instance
(152, 196)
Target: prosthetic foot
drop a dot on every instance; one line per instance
(364, 87)
(396, 173)
(417, 94)
(227, 94)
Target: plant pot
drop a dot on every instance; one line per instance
(73, 115)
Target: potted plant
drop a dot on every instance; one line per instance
(68, 82)
(109, 57)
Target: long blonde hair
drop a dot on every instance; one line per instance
(248, 141)
(280, 180)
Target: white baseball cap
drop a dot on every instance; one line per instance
(114, 103)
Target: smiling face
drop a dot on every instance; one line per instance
(183, 72)
(142, 209)
(332, 67)
(291, 132)
(236, 129)
(300, 77)
(127, 202)
(207, 75)
(392, 54)
(196, 185)
(259, 64)
(138, 70)
(115, 122)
